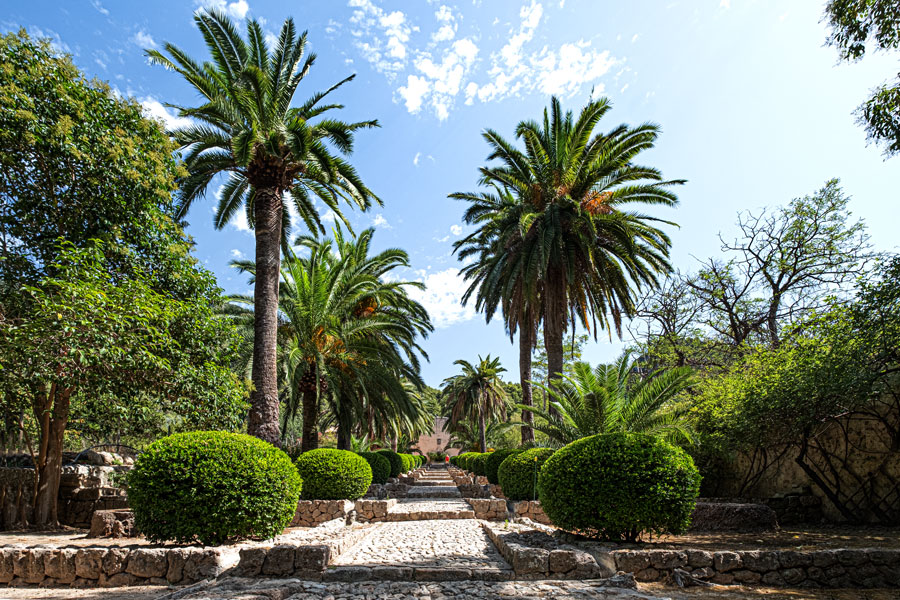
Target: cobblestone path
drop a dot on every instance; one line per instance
(451, 544)
(410, 509)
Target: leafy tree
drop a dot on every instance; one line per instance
(246, 128)
(86, 336)
(856, 24)
(566, 218)
(477, 394)
(616, 398)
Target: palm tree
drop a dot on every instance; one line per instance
(247, 128)
(348, 337)
(616, 398)
(467, 437)
(564, 220)
(499, 279)
(476, 394)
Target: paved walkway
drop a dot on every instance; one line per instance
(412, 509)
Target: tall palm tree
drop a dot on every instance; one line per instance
(467, 437)
(247, 128)
(616, 398)
(498, 278)
(566, 222)
(476, 394)
(348, 337)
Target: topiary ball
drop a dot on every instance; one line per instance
(330, 474)
(212, 487)
(381, 466)
(395, 460)
(618, 485)
(478, 463)
(517, 473)
(492, 463)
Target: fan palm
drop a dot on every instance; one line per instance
(476, 394)
(616, 398)
(563, 226)
(246, 128)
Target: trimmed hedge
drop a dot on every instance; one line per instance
(330, 474)
(616, 486)
(478, 463)
(407, 462)
(394, 459)
(492, 463)
(517, 473)
(212, 487)
(381, 466)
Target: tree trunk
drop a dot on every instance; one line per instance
(526, 342)
(394, 443)
(310, 439)
(555, 316)
(343, 435)
(52, 414)
(264, 405)
(482, 440)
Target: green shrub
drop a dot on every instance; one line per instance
(466, 460)
(405, 459)
(492, 463)
(212, 487)
(478, 463)
(381, 466)
(618, 485)
(394, 459)
(517, 473)
(330, 474)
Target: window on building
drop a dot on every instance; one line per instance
(439, 441)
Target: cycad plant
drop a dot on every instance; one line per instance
(477, 394)
(273, 152)
(616, 398)
(557, 234)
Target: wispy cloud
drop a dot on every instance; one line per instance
(143, 39)
(237, 9)
(380, 222)
(442, 297)
(237, 254)
(100, 8)
(155, 109)
(455, 229)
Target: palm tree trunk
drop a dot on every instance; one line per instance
(310, 440)
(555, 316)
(263, 417)
(526, 342)
(482, 440)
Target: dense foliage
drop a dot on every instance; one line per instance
(395, 461)
(212, 487)
(518, 473)
(330, 474)
(476, 394)
(617, 486)
(493, 461)
(381, 466)
(478, 464)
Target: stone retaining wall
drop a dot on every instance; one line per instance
(112, 567)
(312, 513)
(860, 568)
(489, 509)
(374, 510)
(531, 509)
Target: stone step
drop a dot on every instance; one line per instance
(431, 491)
(430, 509)
(354, 574)
(440, 483)
(430, 516)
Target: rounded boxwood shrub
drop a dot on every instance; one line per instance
(330, 474)
(616, 486)
(478, 463)
(212, 487)
(404, 458)
(517, 473)
(394, 459)
(492, 463)
(467, 458)
(381, 466)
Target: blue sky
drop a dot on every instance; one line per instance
(754, 108)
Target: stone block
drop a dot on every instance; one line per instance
(7, 562)
(118, 580)
(175, 565)
(530, 560)
(699, 558)
(251, 561)
(89, 562)
(726, 561)
(761, 561)
(746, 576)
(279, 561)
(60, 565)
(112, 523)
(667, 559)
(114, 560)
(311, 558)
(147, 562)
(562, 561)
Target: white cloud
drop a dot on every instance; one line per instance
(414, 92)
(442, 297)
(237, 254)
(143, 39)
(329, 216)
(564, 72)
(380, 221)
(381, 37)
(237, 9)
(154, 108)
(634, 38)
(455, 229)
(100, 8)
(416, 158)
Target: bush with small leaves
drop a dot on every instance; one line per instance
(619, 485)
(381, 466)
(492, 463)
(395, 460)
(212, 487)
(518, 473)
(330, 474)
(479, 463)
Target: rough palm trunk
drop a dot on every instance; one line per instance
(556, 311)
(526, 343)
(52, 414)
(344, 441)
(264, 405)
(310, 440)
(482, 440)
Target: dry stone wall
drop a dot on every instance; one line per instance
(312, 513)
